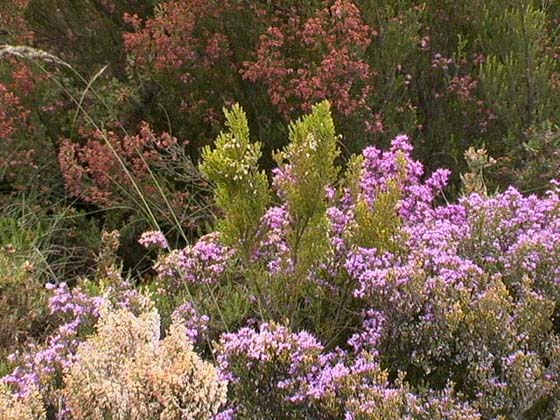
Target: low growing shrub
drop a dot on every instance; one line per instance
(356, 293)
(126, 371)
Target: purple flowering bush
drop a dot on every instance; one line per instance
(418, 308)
(355, 292)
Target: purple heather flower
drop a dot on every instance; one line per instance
(195, 324)
(203, 263)
(153, 238)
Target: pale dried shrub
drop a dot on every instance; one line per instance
(185, 386)
(21, 407)
(125, 371)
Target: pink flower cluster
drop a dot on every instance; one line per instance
(203, 263)
(153, 238)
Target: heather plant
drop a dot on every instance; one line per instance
(192, 284)
(454, 304)
(98, 166)
(332, 286)
(264, 367)
(183, 56)
(448, 74)
(291, 242)
(26, 106)
(398, 306)
(22, 132)
(39, 365)
(126, 181)
(480, 301)
(306, 170)
(275, 373)
(37, 248)
(278, 61)
(13, 407)
(12, 17)
(131, 173)
(283, 240)
(73, 315)
(146, 377)
(313, 53)
(273, 370)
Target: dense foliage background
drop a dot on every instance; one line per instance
(224, 190)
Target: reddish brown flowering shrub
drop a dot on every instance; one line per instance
(16, 79)
(304, 60)
(110, 170)
(194, 57)
(17, 130)
(12, 113)
(169, 40)
(27, 99)
(12, 21)
(98, 162)
(185, 48)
